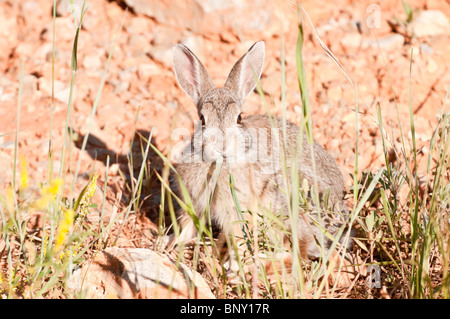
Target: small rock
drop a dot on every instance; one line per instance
(92, 63)
(65, 30)
(430, 23)
(172, 104)
(351, 40)
(63, 7)
(126, 75)
(139, 42)
(215, 5)
(137, 273)
(70, 11)
(32, 7)
(425, 48)
(138, 25)
(211, 16)
(186, 14)
(391, 42)
(30, 82)
(160, 49)
(44, 52)
(61, 91)
(119, 86)
(146, 70)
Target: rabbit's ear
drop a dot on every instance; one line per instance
(246, 72)
(190, 72)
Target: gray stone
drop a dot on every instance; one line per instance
(211, 16)
(65, 7)
(425, 48)
(351, 40)
(216, 5)
(187, 14)
(164, 39)
(430, 23)
(30, 82)
(162, 53)
(137, 273)
(390, 42)
(62, 91)
(147, 70)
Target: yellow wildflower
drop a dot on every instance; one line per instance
(2, 290)
(48, 193)
(64, 228)
(92, 185)
(88, 194)
(23, 173)
(66, 253)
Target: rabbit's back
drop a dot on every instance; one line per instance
(325, 171)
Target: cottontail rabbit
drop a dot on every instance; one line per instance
(245, 148)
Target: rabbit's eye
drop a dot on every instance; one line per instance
(239, 118)
(202, 118)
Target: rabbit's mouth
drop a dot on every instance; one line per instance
(232, 146)
(211, 154)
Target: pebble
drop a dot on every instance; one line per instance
(146, 71)
(430, 23)
(62, 90)
(351, 40)
(137, 272)
(391, 42)
(30, 82)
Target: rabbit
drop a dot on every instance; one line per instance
(256, 167)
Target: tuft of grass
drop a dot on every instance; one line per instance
(40, 260)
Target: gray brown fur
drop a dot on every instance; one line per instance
(255, 181)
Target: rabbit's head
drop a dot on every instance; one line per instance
(219, 109)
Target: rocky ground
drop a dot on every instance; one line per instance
(372, 42)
